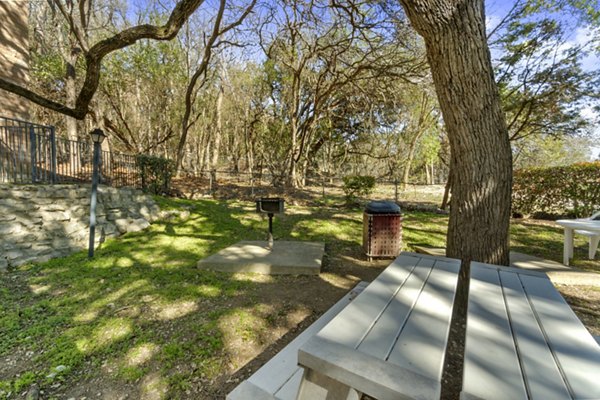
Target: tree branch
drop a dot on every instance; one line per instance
(97, 52)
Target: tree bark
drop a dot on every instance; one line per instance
(447, 187)
(248, 142)
(481, 161)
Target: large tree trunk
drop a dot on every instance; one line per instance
(454, 34)
(480, 164)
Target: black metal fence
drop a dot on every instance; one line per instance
(31, 153)
(118, 169)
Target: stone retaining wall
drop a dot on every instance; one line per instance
(40, 222)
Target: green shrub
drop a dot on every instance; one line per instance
(155, 173)
(358, 185)
(572, 190)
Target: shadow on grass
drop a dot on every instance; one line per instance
(141, 319)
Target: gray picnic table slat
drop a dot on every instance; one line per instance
(423, 341)
(523, 340)
(541, 373)
(387, 326)
(490, 351)
(390, 342)
(576, 352)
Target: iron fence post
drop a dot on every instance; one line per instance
(53, 154)
(101, 177)
(33, 154)
(93, 199)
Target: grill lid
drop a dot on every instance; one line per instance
(271, 205)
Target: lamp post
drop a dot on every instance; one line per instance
(97, 138)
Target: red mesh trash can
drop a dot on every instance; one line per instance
(382, 229)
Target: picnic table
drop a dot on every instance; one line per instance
(391, 340)
(587, 226)
(523, 341)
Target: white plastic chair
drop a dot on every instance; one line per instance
(593, 236)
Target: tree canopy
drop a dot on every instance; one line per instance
(302, 88)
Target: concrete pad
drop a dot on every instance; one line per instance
(286, 258)
(558, 273)
(526, 261)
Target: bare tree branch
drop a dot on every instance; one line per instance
(98, 51)
(201, 70)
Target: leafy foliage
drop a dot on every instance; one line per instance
(547, 82)
(336, 90)
(541, 151)
(155, 173)
(358, 185)
(573, 190)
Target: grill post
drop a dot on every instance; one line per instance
(270, 206)
(270, 231)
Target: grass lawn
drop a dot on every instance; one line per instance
(140, 321)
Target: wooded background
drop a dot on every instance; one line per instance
(296, 88)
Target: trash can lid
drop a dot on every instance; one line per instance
(382, 207)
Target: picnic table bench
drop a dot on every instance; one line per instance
(523, 341)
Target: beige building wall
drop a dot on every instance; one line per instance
(14, 55)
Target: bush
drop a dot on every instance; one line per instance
(358, 185)
(570, 190)
(155, 173)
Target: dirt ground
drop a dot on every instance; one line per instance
(343, 272)
(316, 295)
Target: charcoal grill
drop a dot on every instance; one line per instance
(270, 206)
